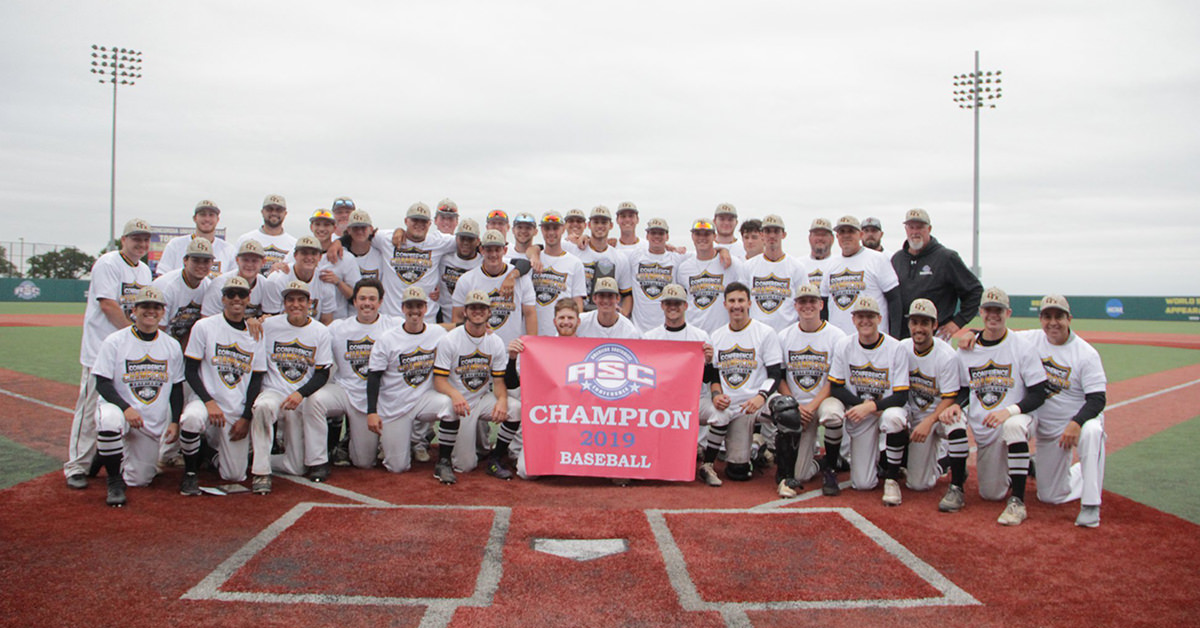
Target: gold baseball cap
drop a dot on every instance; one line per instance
(865, 303)
(606, 285)
(725, 209)
(150, 294)
(600, 211)
(917, 215)
(1055, 302)
(307, 242)
(478, 297)
(627, 206)
(994, 297)
(923, 307)
(674, 292)
(848, 221)
(414, 293)
(468, 227)
(321, 214)
(772, 220)
(419, 210)
(274, 199)
(807, 289)
(575, 214)
(703, 224)
(294, 285)
(657, 223)
(447, 207)
(343, 203)
(199, 247)
(206, 205)
(821, 224)
(251, 247)
(492, 237)
(554, 218)
(235, 283)
(136, 226)
(359, 218)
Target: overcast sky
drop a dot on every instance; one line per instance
(803, 109)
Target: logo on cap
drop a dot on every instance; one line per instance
(478, 297)
(251, 247)
(726, 209)
(307, 242)
(419, 211)
(917, 215)
(656, 223)
(849, 221)
(359, 218)
(206, 204)
(492, 237)
(136, 226)
(573, 214)
(295, 285)
(469, 228)
(600, 211)
(199, 247)
(673, 292)
(772, 220)
(414, 293)
(820, 224)
(150, 294)
(274, 200)
(923, 307)
(627, 206)
(864, 303)
(994, 297)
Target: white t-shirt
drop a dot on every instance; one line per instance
(172, 256)
(212, 296)
(351, 342)
(227, 358)
(737, 248)
(1073, 370)
(932, 376)
(412, 264)
(742, 357)
(184, 303)
(817, 268)
(705, 281)
(589, 327)
(772, 284)
(471, 363)
(807, 357)
(369, 263)
(116, 279)
(610, 256)
(323, 296)
(998, 376)
(562, 277)
(871, 373)
(507, 319)
(689, 333)
(142, 372)
(452, 269)
(651, 273)
(275, 247)
(346, 269)
(293, 353)
(866, 272)
(407, 364)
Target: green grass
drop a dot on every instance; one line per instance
(18, 463)
(48, 352)
(1160, 471)
(1095, 324)
(1123, 362)
(17, 307)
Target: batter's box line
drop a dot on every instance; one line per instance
(734, 613)
(439, 611)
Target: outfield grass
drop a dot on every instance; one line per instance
(17, 307)
(1159, 471)
(1123, 362)
(18, 463)
(48, 352)
(1081, 324)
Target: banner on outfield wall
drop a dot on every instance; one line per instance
(1119, 308)
(611, 408)
(160, 235)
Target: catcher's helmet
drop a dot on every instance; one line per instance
(786, 413)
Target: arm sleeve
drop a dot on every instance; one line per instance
(895, 312)
(895, 400)
(252, 390)
(374, 379)
(512, 379)
(522, 265)
(314, 383)
(711, 374)
(963, 397)
(1035, 396)
(774, 376)
(108, 391)
(191, 372)
(176, 402)
(1093, 405)
(841, 393)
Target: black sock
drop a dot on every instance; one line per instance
(897, 444)
(1018, 468)
(447, 435)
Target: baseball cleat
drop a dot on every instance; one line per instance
(319, 473)
(953, 501)
(1089, 517)
(77, 481)
(420, 452)
(116, 491)
(891, 493)
(708, 475)
(444, 472)
(340, 457)
(261, 485)
(189, 485)
(829, 487)
(1014, 513)
(497, 470)
(787, 488)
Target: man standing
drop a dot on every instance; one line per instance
(773, 277)
(820, 246)
(342, 274)
(414, 258)
(139, 373)
(466, 258)
(509, 316)
(206, 216)
(705, 274)
(275, 241)
(184, 290)
(872, 234)
(928, 270)
(447, 217)
(248, 262)
(524, 228)
(321, 296)
(497, 219)
(606, 321)
(576, 222)
(299, 355)
(751, 232)
(342, 207)
(653, 268)
(860, 271)
(726, 219)
(357, 242)
(601, 260)
(627, 222)
(117, 277)
(562, 275)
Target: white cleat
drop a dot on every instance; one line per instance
(708, 475)
(891, 493)
(1089, 517)
(1014, 513)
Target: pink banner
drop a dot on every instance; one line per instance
(611, 408)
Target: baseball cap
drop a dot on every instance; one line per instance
(492, 237)
(575, 214)
(447, 207)
(606, 285)
(343, 203)
(1055, 302)
(418, 210)
(864, 303)
(627, 206)
(295, 285)
(773, 221)
(917, 215)
(478, 297)
(848, 221)
(136, 226)
(321, 214)
(414, 293)
(553, 218)
(206, 204)
(236, 283)
(807, 289)
(821, 224)
(150, 294)
(923, 307)
(701, 224)
(199, 247)
(497, 214)
(525, 218)
(994, 297)
(307, 242)
(469, 228)
(872, 222)
(251, 247)
(657, 223)
(359, 218)
(725, 209)
(600, 211)
(274, 199)
(673, 292)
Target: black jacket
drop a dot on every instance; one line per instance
(938, 274)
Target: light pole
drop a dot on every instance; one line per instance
(976, 90)
(119, 66)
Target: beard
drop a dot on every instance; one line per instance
(915, 244)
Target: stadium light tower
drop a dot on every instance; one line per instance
(976, 91)
(119, 66)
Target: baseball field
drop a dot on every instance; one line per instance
(374, 549)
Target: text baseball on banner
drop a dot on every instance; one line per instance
(610, 408)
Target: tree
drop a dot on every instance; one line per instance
(7, 268)
(68, 263)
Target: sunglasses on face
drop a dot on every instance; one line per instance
(237, 294)
(497, 214)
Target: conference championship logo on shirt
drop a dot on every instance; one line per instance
(231, 363)
(807, 367)
(145, 377)
(611, 372)
(129, 292)
(990, 383)
(922, 389)
(706, 288)
(312, 307)
(1058, 377)
(770, 292)
(547, 285)
(653, 277)
(293, 359)
(502, 308)
(815, 277)
(271, 255)
(736, 365)
(845, 286)
(369, 274)
(358, 355)
(869, 382)
(450, 278)
(416, 366)
(411, 264)
(474, 370)
(183, 320)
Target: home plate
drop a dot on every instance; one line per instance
(581, 549)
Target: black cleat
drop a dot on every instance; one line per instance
(116, 492)
(77, 481)
(189, 485)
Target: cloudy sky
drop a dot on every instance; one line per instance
(803, 109)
